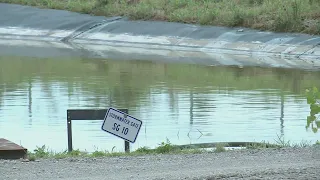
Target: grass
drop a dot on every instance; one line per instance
(280, 142)
(163, 148)
(301, 16)
(220, 148)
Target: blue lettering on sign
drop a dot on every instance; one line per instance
(114, 116)
(135, 125)
(116, 127)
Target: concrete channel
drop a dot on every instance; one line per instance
(30, 31)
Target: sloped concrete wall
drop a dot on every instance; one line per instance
(31, 31)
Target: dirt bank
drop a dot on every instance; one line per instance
(288, 163)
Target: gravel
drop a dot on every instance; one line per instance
(287, 163)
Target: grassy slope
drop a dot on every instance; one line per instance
(273, 15)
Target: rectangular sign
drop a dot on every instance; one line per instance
(121, 125)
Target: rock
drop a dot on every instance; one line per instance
(25, 160)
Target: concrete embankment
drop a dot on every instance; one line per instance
(30, 31)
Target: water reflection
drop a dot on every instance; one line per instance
(184, 103)
(282, 114)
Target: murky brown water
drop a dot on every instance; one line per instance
(184, 103)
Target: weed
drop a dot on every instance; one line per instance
(261, 145)
(60, 155)
(282, 142)
(165, 147)
(31, 157)
(99, 154)
(144, 149)
(313, 99)
(220, 147)
(75, 153)
(41, 152)
(302, 144)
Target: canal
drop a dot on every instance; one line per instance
(184, 103)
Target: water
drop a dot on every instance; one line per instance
(184, 103)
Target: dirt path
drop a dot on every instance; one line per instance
(300, 163)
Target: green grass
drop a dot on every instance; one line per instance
(220, 148)
(280, 142)
(163, 148)
(273, 15)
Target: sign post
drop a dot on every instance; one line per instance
(121, 125)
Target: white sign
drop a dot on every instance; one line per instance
(122, 125)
